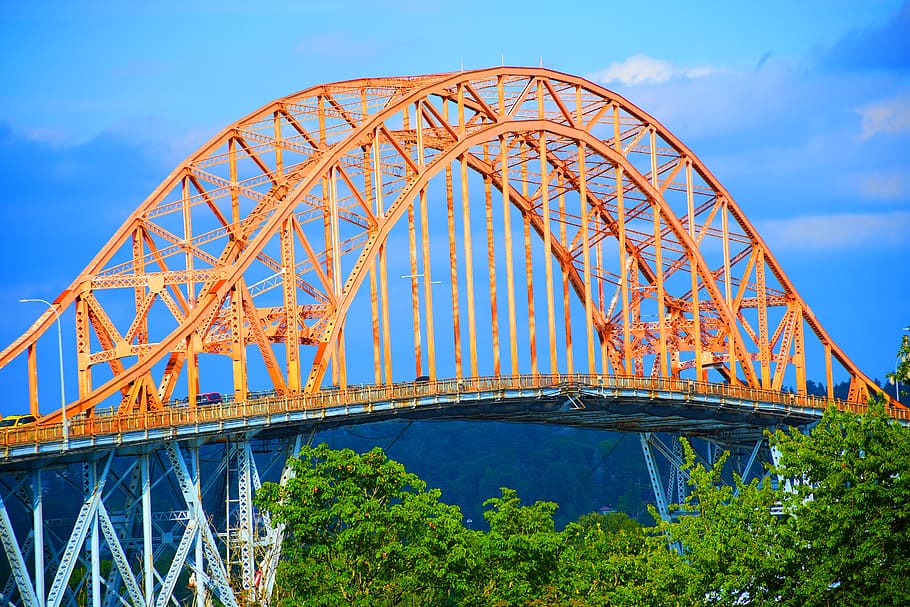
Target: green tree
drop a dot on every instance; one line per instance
(519, 553)
(611, 561)
(362, 531)
(729, 536)
(847, 531)
(836, 533)
(609, 522)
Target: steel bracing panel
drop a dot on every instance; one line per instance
(128, 517)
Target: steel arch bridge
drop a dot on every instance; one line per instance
(536, 238)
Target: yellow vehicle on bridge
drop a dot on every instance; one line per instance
(14, 421)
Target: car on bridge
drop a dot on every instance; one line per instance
(209, 398)
(14, 421)
(206, 398)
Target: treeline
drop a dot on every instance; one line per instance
(361, 530)
(581, 469)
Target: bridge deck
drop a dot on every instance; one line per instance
(730, 414)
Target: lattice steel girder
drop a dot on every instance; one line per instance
(128, 495)
(312, 188)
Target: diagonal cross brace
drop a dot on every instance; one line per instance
(77, 538)
(194, 505)
(113, 543)
(167, 586)
(16, 560)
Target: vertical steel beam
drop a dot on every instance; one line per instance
(468, 264)
(427, 281)
(83, 359)
(374, 318)
(148, 556)
(695, 332)
(547, 240)
(95, 541)
(187, 238)
(245, 507)
(507, 233)
(383, 274)
(279, 145)
(529, 275)
(292, 318)
(624, 264)
(453, 268)
(799, 353)
(728, 297)
(199, 555)
(234, 186)
(491, 267)
(38, 534)
(415, 292)
(764, 347)
(32, 362)
(238, 343)
(586, 251)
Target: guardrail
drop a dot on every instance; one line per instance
(107, 422)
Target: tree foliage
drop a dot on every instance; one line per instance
(847, 529)
(360, 530)
(835, 529)
(829, 525)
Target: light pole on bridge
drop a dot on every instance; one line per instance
(60, 352)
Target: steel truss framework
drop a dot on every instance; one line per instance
(174, 520)
(542, 227)
(267, 255)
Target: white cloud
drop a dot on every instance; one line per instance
(642, 69)
(890, 115)
(837, 232)
(885, 186)
(51, 136)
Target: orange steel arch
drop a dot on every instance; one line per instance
(272, 249)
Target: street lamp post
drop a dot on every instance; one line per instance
(60, 351)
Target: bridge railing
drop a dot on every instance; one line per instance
(108, 422)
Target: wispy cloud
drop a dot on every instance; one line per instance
(830, 232)
(888, 116)
(885, 186)
(642, 69)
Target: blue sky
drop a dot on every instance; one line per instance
(801, 109)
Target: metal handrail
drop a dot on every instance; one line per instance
(405, 394)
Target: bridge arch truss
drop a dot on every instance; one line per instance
(502, 221)
(517, 239)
